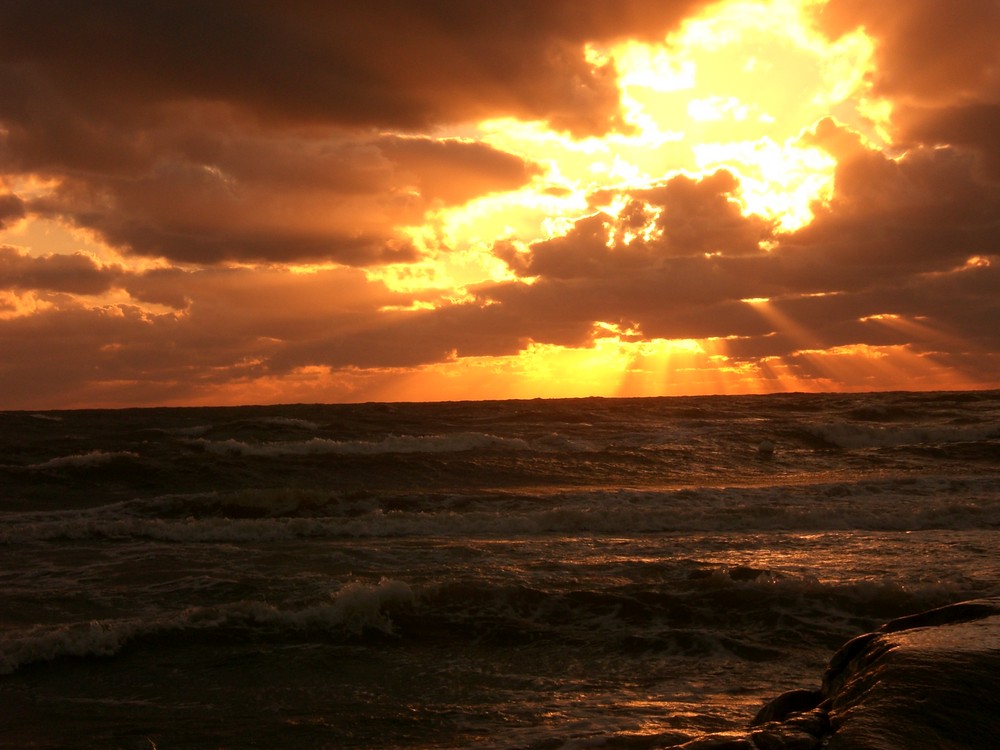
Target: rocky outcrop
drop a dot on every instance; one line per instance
(927, 681)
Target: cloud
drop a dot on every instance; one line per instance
(925, 51)
(972, 125)
(688, 218)
(928, 210)
(889, 236)
(385, 63)
(11, 207)
(253, 133)
(894, 231)
(226, 141)
(248, 132)
(226, 197)
(451, 171)
(77, 273)
(938, 64)
(225, 326)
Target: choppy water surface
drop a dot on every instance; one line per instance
(524, 574)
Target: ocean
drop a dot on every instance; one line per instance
(547, 574)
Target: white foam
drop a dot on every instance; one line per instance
(359, 606)
(356, 607)
(929, 503)
(79, 460)
(94, 638)
(289, 422)
(447, 443)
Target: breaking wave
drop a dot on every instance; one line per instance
(354, 609)
(932, 503)
(445, 443)
(680, 618)
(84, 460)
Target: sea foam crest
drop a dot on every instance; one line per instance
(304, 424)
(46, 417)
(932, 503)
(84, 460)
(448, 443)
(355, 608)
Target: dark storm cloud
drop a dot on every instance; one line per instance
(227, 323)
(925, 50)
(11, 207)
(929, 210)
(974, 126)
(939, 63)
(246, 131)
(214, 198)
(691, 218)
(385, 63)
(77, 274)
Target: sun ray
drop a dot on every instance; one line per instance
(703, 98)
(734, 88)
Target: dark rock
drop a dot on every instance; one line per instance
(851, 657)
(720, 741)
(815, 722)
(949, 615)
(847, 653)
(923, 682)
(792, 702)
(927, 682)
(777, 737)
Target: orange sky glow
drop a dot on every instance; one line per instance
(443, 200)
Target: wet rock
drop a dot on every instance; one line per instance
(778, 737)
(923, 682)
(952, 614)
(815, 722)
(720, 741)
(792, 702)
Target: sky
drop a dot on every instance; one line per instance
(244, 202)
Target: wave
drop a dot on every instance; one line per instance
(860, 436)
(705, 609)
(46, 417)
(83, 460)
(354, 609)
(303, 424)
(886, 505)
(446, 443)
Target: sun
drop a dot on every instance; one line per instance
(739, 88)
(736, 88)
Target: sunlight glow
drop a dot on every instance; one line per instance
(804, 175)
(739, 88)
(733, 89)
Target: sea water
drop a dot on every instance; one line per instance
(622, 573)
